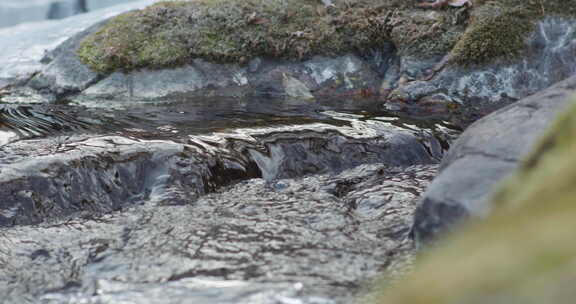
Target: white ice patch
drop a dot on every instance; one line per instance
(269, 164)
(9, 212)
(240, 78)
(322, 71)
(322, 75)
(7, 137)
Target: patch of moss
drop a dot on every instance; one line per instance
(135, 40)
(174, 32)
(565, 8)
(498, 29)
(425, 33)
(524, 253)
(496, 32)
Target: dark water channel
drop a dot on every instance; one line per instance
(213, 114)
(212, 201)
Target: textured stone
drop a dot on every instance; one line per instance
(523, 252)
(548, 58)
(342, 75)
(488, 151)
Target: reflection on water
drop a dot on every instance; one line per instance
(192, 116)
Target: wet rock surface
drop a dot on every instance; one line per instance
(300, 209)
(328, 233)
(546, 61)
(320, 76)
(486, 153)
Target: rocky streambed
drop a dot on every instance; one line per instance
(132, 183)
(215, 201)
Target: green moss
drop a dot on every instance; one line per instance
(524, 253)
(498, 29)
(124, 44)
(174, 32)
(565, 8)
(497, 32)
(425, 33)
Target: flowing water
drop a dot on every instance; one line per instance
(212, 200)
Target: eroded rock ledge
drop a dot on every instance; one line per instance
(47, 179)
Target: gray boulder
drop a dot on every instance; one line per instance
(547, 62)
(487, 152)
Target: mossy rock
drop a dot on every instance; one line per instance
(525, 253)
(498, 29)
(496, 32)
(425, 33)
(172, 33)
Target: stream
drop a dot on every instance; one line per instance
(264, 200)
(211, 200)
